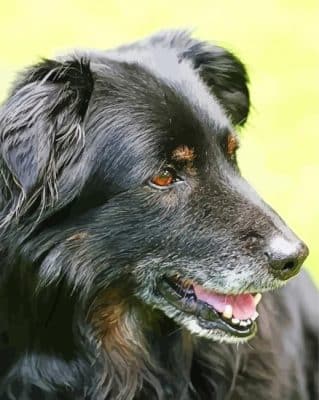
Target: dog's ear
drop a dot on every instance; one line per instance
(226, 77)
(222, 71)
(42, 119)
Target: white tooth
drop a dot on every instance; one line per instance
(235, 321)
(244, 323)
(228, 312)
(249, 321)
(255, 316)
(257, 298)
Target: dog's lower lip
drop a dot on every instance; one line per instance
(181, 294)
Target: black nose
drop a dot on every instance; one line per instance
(286, 258)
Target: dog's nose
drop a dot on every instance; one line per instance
(286, 257)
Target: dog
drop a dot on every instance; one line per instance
(137, 262)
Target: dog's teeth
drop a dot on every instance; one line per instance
(228, 312)
(257, 298)
(235, 321)
(255, 316)
(244, 323)
(247, 322)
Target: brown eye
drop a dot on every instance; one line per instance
(164, 179)
(232, 144)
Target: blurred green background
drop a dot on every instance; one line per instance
(278, 41)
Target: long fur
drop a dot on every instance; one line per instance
(86, 238)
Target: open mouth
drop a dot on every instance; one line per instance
(233, 314)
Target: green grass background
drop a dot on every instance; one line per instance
(277, 39)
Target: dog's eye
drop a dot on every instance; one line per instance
(166, 178)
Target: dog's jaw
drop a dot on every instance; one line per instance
(191, 323)
(148, 291)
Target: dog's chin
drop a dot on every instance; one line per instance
(196, 326)
(219, 317)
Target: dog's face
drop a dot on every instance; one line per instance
(128, 166)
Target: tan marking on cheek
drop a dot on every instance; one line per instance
(113, 326)
(232, 144)
(183, 153)
(117, 329)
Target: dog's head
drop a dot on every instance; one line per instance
(119, 172)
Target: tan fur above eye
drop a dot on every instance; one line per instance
(232, 144)
(183, 153)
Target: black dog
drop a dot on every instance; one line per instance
(133, 252)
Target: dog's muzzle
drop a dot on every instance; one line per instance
(233, 314)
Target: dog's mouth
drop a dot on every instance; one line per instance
(233, 314)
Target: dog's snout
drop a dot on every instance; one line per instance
(286, 257)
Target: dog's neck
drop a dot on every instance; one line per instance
(141, 348)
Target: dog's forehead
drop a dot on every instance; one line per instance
(164, 66)
(154, 114)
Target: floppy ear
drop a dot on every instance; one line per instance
(222, 71)
(225, 76)
(41, 124)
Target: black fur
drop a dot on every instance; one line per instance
(86, 238)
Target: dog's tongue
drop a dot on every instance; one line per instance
(243, 304)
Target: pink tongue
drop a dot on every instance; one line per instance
(243, 304)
